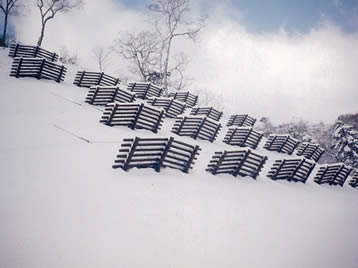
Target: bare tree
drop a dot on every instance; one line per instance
(102, 56)
(170, 23)
(68, 57)
(49, 8)
(141, 49)
(178, 79)
(210, 98)
(9, 8)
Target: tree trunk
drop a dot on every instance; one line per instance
(5, 28)
(166, 64)
(42, 34)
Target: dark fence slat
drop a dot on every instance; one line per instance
(145, 90)
(207, 111)
(291, 170)
(102, 95)
(243, 137)
(354, 181)
(196, 127)
(242, 120)
(243, 163)
(88, 79)
(37, 68)
(281, 143)
(133, 115)
(172, 107)
(186, 97)
(164, 153)
(334, 174)
(310, 151)
(17, 50)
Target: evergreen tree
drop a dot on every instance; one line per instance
(346, 144)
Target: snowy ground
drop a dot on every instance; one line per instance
(62, 205)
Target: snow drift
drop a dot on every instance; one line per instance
(62, 205)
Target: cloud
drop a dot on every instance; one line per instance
(278, 74)
(81, 30)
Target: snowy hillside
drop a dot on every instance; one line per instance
(62, 204)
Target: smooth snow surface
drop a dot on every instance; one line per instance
(62, 204)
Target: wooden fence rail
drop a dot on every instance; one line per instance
(354, 180)
(102, 95)
(190, 99)
(335, 174)
(310, 151)
(37, 68)
(291, 170)
(196, 127)
(207, 111)
(172, 107)
(243, 163)
(88, 79)
(243, 137)
(156, 153)
(281, 143)
(242, 120)
(133, 115)
(145, 90)
(17, 50)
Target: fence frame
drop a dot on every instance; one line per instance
(172, 107)
(210, 112)
(281, 143)
(246, 163)
(310, 151)
(156, 153)
(38, 68)
(241, 120)
(196, 127)
(354, 181)
(102, 95)
(88, 79)
(333, 174)
(145, 90)
(24, 51)
(290, 169)
(190, 99)
(133, 115)
(243, 137)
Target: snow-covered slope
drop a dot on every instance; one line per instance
(62, 204)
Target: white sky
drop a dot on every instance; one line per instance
(278, 74)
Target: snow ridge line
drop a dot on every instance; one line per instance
(72, 134)
(85, 139)
(74, 102)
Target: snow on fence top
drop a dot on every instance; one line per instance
(310, 151)
(37, 68)
(281, 143)
(354, 180)
(144, 90)
(335, 174)
(190, 99)
(243, 163)
(243, 137)
(207, 111)
(291, 170)
(196, 127)
(242, 120)
(156, 153)
(17, 50)
(133, 115)
(172, 107)
(88, 79)
(102, 95)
